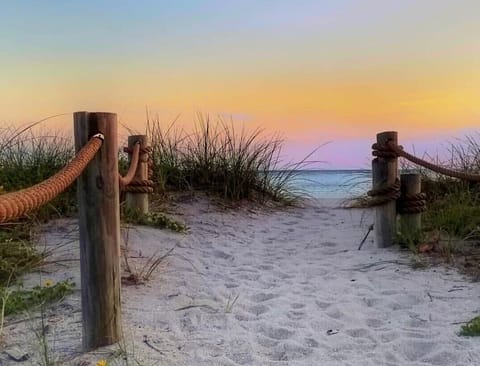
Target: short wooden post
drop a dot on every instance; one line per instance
(138, 201)
(410, 222)
(99, 225)
(385, 173)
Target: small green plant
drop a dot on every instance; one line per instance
(154, 219)
(472, 328)
(22, 300)
(140, 276)
(410, 240)
(230, 303)
(17, 252)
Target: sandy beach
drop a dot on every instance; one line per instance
(257, 286)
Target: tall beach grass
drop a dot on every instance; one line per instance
(221, 159)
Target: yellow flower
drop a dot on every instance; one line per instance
(48, 283)
(102, 363)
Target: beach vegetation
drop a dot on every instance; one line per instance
(28, 157)
(472, 328)
(153, 219)
(21, 300)
(143, 273)
(221, 159)
(230, 303)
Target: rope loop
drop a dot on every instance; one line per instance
(384, 194)
(136, 185)
(411, 204)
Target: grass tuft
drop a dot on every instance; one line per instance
(21, 300)
(219, 159)
(472, 328)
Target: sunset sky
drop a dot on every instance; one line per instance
(315, 71)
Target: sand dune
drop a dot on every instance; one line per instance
(259, 287)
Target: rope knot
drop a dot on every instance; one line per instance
(384, 194)
(387, 150)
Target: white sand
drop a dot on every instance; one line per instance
(306, 296)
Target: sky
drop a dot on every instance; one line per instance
(319, 71)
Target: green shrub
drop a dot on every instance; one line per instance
(17, 253)
(154, 219)
(17, 301)
(472, 328)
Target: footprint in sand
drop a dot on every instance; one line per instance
(335, 313)
(374, 323)
(289, 352)
(415, 349)
(263, 296)
(388, 337)
(361, 335)
(323, 305)
(249, 276)
(266, 342)
(444, 358)
(240, 352)
(275, 332)
(311, 343)
(222, 255)
(295, 315)
(265, 267)
(258, 309)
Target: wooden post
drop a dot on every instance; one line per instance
(135, 200)
(99, 224)
(384, 173)
(410, 223)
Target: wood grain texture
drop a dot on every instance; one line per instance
(410, 223)
(385, 172)
(99, 225)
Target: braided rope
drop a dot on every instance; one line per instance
(391, 148)
(16, 204)
(142, 183)
(384, 194)
(138, 189)
(413, 203)
(136, 185)
(126, 180)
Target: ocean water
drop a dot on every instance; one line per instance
(333, 183)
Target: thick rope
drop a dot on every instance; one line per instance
(136, 185)
(384, 194)
(391, 148)
(126, 180)
(16, 204)
(411, 204)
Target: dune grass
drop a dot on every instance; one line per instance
(472, 328)
(454, 205)
(28, 157)
(218, 158)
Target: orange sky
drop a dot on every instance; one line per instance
(314, 71)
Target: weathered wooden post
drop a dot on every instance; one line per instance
(411, 205)
(135, 198)
(385, 174)
(99, 224)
